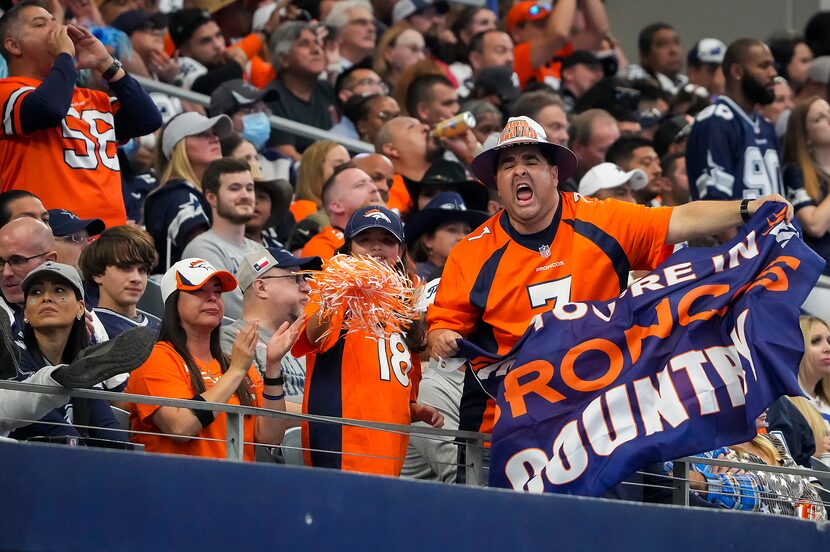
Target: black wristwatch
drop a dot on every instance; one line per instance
(111, 70)
(745, 216)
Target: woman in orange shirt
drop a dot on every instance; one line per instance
(188, 363)
(358, 375)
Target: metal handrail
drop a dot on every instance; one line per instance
(279, 123)
(236, 409)
(474, 441)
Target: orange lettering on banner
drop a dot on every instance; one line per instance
(635, 335)
(515, 392)
(780, 282)
(686, 302)
(615, 364)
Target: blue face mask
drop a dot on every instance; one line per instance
(130, 148)
(256, 129)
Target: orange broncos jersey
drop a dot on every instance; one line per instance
(325, 243)
(548, 74)
(74, 166)
(496, 280)
(361, 377)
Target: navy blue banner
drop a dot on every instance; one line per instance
(682, 362)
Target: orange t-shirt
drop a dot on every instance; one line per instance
(165, 375)
(548, 73)
(72, 166)
(399, 198)
(303, 208)
(324, 244)
(361, 377)
(496, 280)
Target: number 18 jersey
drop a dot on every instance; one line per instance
(73, 166)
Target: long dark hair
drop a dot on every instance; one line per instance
(415, 337)
(173, 333)
(77, 341)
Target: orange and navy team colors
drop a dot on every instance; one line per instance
(496, 280)
(72, 166)
(166, 375)
(70, 160)
(362, 377)
(325, 243)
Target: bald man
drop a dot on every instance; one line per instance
(347, 190)
(409, 145)
(25, 244)
(380, 170)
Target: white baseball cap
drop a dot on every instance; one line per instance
(192, 274)
(522, 131)
(191, 123)
(608, 175)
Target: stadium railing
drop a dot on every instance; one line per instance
(679, 482)
(278, 123)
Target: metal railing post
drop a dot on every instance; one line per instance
(680, 496)
(474, 460)
(235, 436)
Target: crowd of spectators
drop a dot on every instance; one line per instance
(110, 191)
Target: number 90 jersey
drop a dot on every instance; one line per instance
(496, 280)
(72, 166)
(731, 155)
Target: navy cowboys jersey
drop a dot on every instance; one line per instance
(732, 155)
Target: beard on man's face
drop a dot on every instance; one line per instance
(757, 92)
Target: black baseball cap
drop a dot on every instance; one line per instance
(184, 23)
(581, 57)
(230, 96)
(499, 80)
(136, 20)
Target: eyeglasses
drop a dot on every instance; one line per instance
(77, 237)
(299, 277)
(369, 81)
(16, 261)
(388, 115)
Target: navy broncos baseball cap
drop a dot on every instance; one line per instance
(375, 216)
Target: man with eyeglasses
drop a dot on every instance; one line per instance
(275, 292)
(356, 31)
(72, 234)
(357, 80)
(25, 244)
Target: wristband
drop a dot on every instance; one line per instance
(279, 397)
(205, 417)
(273, 381)
(745, 216)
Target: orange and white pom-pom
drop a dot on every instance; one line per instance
(373, 296)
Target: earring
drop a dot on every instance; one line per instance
(79, 316)
(25, 320)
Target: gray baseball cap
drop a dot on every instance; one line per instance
(190, 124)
(62, 271)
(257, 263)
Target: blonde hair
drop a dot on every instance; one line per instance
(763, 442)
(177, 167)
(816, 422)
(796, 149)
(310, 175)
(822, 389)
(388, 40)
